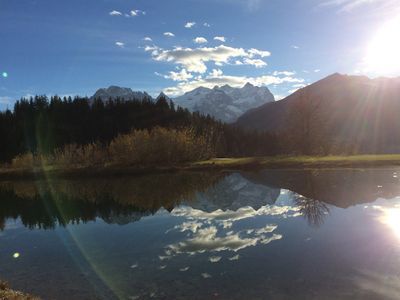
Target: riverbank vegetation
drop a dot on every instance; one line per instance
(8, 294)
(140, 147)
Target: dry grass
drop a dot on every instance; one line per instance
(8, 294)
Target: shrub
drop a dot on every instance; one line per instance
(159, 146)
(26, 160)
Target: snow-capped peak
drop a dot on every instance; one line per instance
(114, 92)
(225, 103)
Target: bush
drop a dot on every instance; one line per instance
(26, 160)
(91, 154)
(159, 146)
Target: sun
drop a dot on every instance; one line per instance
(383, 52)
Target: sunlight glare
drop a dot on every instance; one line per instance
(383, 51)
(392, 219)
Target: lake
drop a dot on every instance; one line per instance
(271, 234)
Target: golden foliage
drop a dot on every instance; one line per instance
(159, 146)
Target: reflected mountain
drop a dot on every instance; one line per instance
(234, 192)
(338, 187)
(47, 204)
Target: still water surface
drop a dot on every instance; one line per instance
(273, 234)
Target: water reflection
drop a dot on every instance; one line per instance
(215, 232)
(313, 210)
(197, 235)
(46, 204)
(224, 198)
(338, 187)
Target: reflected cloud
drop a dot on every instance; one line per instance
(215, 231)
(215, 259)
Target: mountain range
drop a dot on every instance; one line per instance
(344, 109)
(224, 103)
(114, 92)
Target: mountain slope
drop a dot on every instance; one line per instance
(350, 108)
(225, 103)
(114, 92)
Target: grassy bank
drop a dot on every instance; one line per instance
(304, 161)
(216, 164)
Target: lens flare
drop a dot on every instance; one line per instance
(382, 56)
(4, 74)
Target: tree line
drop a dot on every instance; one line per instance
(42, 126)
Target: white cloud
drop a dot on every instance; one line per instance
(299, 85)
(295, 47)
(205, 24)
(115, 13)
(254, 52)
(137, 12)
(169, 34)
(148, 39)
(152, 49)
(258, 63)
(285, 73)
(317, 70)
(220, 38)
(195, 59)
(296, 87)
(216, 73)
(200, 40)
(183, 75)
(120, 44)
(216, 77)
(190, 24)
(350, 5)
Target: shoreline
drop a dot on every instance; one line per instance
(216, 164)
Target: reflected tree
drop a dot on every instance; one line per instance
(120, 201)
(314, 211)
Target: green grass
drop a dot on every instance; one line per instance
(303, 161)
(228, 164)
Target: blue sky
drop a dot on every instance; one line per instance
(77, 46)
